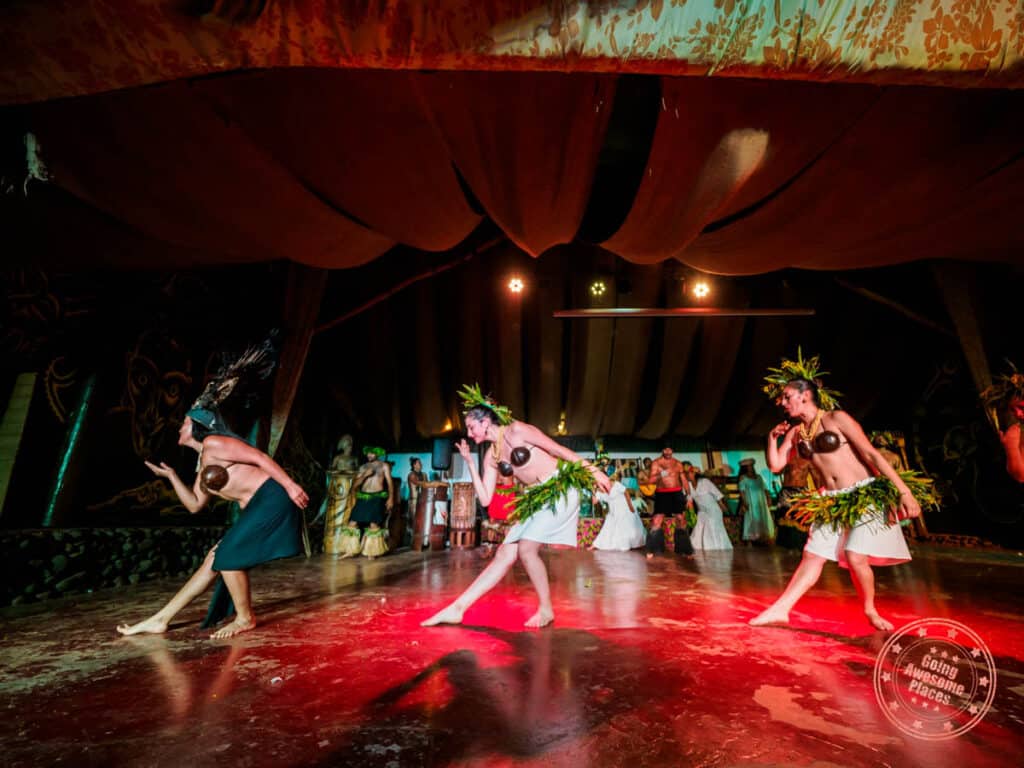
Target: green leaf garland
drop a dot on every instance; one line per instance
(845, 510)
(571, 474)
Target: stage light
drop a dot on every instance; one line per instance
(701, 289)
(447, 426)
(516, 285)
(598, 288)
(561, 428)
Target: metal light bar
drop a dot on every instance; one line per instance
(627, 312)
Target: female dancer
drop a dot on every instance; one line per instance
(854, 514)
(534, 459)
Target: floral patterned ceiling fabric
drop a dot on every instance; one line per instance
(77, 47)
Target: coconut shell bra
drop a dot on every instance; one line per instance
(826, 442)
(520, 455)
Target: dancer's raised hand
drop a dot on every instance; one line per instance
(161, 470)
(463, 448)
(604, 483)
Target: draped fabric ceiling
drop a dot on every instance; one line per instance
(316, 166)
(347, 146)
(336, 131)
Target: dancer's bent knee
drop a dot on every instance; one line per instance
(508, 552)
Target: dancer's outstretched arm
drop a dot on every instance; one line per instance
(533, 436)
(193, 498)
(860, 443)
(232, 450)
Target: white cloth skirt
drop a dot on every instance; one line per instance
(622, 529)
(883, 544)
(551, 526)
(709, 532)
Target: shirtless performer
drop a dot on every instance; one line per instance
(269, 528)
(375, 499)
(524, 452)
(797, 476)
(849, 467)
(672, 497)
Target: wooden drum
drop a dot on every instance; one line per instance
(437, 537)
(422, 526)
(338, 507)
(463, 517)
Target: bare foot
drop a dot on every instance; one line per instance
(878, 622)
(151, 626)
(540, 619)
(772, 616)
(236, 627)
(650, 555)
(450, 615)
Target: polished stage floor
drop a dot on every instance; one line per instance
(649, 663)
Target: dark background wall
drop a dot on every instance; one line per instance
(142, 344)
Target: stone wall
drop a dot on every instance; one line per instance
(42, 564)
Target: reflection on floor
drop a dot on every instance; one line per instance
(648, 663)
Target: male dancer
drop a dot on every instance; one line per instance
(672, 497)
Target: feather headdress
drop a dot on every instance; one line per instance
(239, 377)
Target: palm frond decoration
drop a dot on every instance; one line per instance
(884, 438)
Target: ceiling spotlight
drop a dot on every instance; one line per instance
(598, 288)
(701, 289)
(516, 285)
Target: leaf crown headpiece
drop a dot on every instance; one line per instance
(1006, 386)
(808, 369)
(473, 397)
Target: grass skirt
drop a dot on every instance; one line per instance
(375, 542)
(350, 541)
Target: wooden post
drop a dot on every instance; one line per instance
(303, 292)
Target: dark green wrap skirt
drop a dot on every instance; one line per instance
(270, 528)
